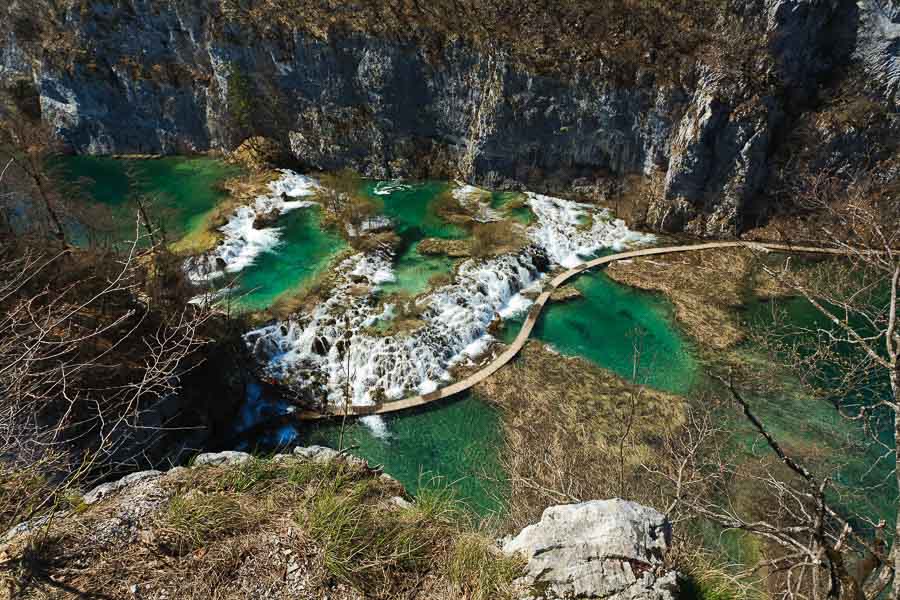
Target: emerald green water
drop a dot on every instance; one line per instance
(413, 210)
(414, 272)
(458, 442)
(605, 326)
(512, 203)
(306, 249)
(182, 191)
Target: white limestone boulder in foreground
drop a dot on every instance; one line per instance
(611, 549)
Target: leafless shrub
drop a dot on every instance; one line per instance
(817, 546)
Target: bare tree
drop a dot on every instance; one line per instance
(83, 362)
(849, 355)
(26, 149)
(94, 340)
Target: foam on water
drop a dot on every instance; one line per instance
(241, 242)
(374, 268)
(330, 341)
(386, 188)
(560, 231)
(322, 348)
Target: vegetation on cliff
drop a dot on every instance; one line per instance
(285, 527)
(97, 338)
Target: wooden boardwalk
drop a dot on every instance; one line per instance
(533, 314)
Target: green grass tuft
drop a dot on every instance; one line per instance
(193, 521)
(362, 544)
(479, 571)
(437, 502)
(706, 578)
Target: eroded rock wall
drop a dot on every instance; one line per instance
(161, 76)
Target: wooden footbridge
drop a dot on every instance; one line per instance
(534, 313)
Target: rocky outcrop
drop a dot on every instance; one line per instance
(717, 165)
(878, 44)
(165, 76)
(138, 495)
(612, 549)
(259, 515)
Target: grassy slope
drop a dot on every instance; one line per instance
(275, 528)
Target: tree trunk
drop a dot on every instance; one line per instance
(51, 212)
(895, 554)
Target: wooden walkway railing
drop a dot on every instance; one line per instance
(533, 314)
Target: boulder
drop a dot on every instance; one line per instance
(611, 549)
(265, 220)
(316, 453)
(229, 457)
(106, 489)
(257, 153)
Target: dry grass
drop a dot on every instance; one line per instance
(707, 577)
(265, 528)
(707, 289)
(564, 424)
(501, 237)
(192, 521)
(23, 491)
(441, 247)
(476, 571)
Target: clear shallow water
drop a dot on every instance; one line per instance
(458, 442)
(455, 443)
(413, 272)
(605, 324)
(461, 440)
(518, 211)
(413, 210)
(183, 190)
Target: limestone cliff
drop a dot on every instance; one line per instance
(696, 95)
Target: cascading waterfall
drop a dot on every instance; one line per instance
(241, 241)
(326, 352)
(476, 200)
(330, 341)
(561, 230)
(329, 351)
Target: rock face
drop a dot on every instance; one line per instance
(610, 549)
(164, 76)
(878, 44)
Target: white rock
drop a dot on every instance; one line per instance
(401, 502)
(229, 457)
(610, 549)
(316, 453)
(106, 489)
